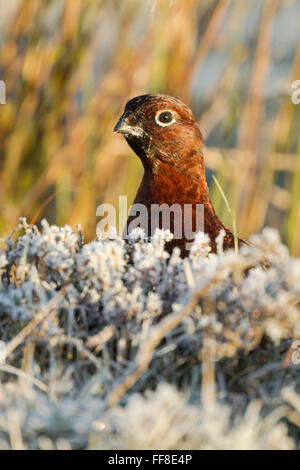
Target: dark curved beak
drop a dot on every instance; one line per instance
(125, 127)
(121, 126)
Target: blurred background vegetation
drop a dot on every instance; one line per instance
(71, 65)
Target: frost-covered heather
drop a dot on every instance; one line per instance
(118, 345)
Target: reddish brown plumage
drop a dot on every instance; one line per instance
(172, 156)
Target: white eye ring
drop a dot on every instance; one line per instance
(164, 124)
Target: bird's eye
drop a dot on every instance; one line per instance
(164, 118)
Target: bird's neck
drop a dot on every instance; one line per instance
(170, 183)
(185, 186)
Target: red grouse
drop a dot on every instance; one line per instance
(162, 131)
